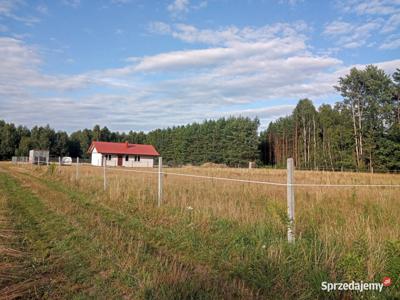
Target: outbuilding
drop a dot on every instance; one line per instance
(38, 156)
(122, 154)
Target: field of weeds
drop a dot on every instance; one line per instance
(210, 239)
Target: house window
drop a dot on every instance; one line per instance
(109, 157)
(137, 158)
(126, 157)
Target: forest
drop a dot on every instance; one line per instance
(360, 132)
(231, 141)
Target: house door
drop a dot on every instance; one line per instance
(119, 160)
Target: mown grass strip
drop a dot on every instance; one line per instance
(60, 252)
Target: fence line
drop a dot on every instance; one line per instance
(258, 181)
(289, 184)
(127, 170)
(344, 185)
(225, 179)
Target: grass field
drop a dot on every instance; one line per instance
(63, 238)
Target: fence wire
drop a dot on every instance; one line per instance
(260, 182)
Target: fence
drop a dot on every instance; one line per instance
(290, 185)
(38, 160)
(20, 159)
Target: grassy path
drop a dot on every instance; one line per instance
(60, 254)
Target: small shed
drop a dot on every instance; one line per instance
(38, 156)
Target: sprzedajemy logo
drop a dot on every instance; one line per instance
(359, 286)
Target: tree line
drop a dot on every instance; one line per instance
(232, 141)
(360, 132)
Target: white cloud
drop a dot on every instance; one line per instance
(351, 35)
(159, 27)
(227, 35)
(391, 42)
(19, 69)
(377, 7)
(72, 3)
(392, 24)
(8, 9)
(201, 4)
(8, 6)
(231, 69)
(382, 18)
(337, 28)
(178, 7)
(371, 7)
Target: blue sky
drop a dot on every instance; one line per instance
(141, 65)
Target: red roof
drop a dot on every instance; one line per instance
(123, 148)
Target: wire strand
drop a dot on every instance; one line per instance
(260, 182)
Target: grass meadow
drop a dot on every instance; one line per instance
(68, 238)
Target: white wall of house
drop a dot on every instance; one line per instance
(97, 158)
(132, 162)
(145, 161)
(113, 162)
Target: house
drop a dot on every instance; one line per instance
(122, 154)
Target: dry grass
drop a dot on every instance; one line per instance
(244, 202)
(342, 233)
(339, 214)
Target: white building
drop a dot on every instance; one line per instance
(38, 156)
(122, 154)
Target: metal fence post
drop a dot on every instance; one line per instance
(290, 200)
(159, 181)
(104, 173)
(59, 160)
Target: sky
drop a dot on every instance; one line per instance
(147, 64)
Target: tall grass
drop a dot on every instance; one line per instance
(239, 229)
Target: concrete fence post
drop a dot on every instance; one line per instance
(104, 174)
(77, 169)
(160, 181)
(290, 200)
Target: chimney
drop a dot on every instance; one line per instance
(126, 144)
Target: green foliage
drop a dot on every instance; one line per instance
(232, 141)
(8, 140)
(361, 132)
